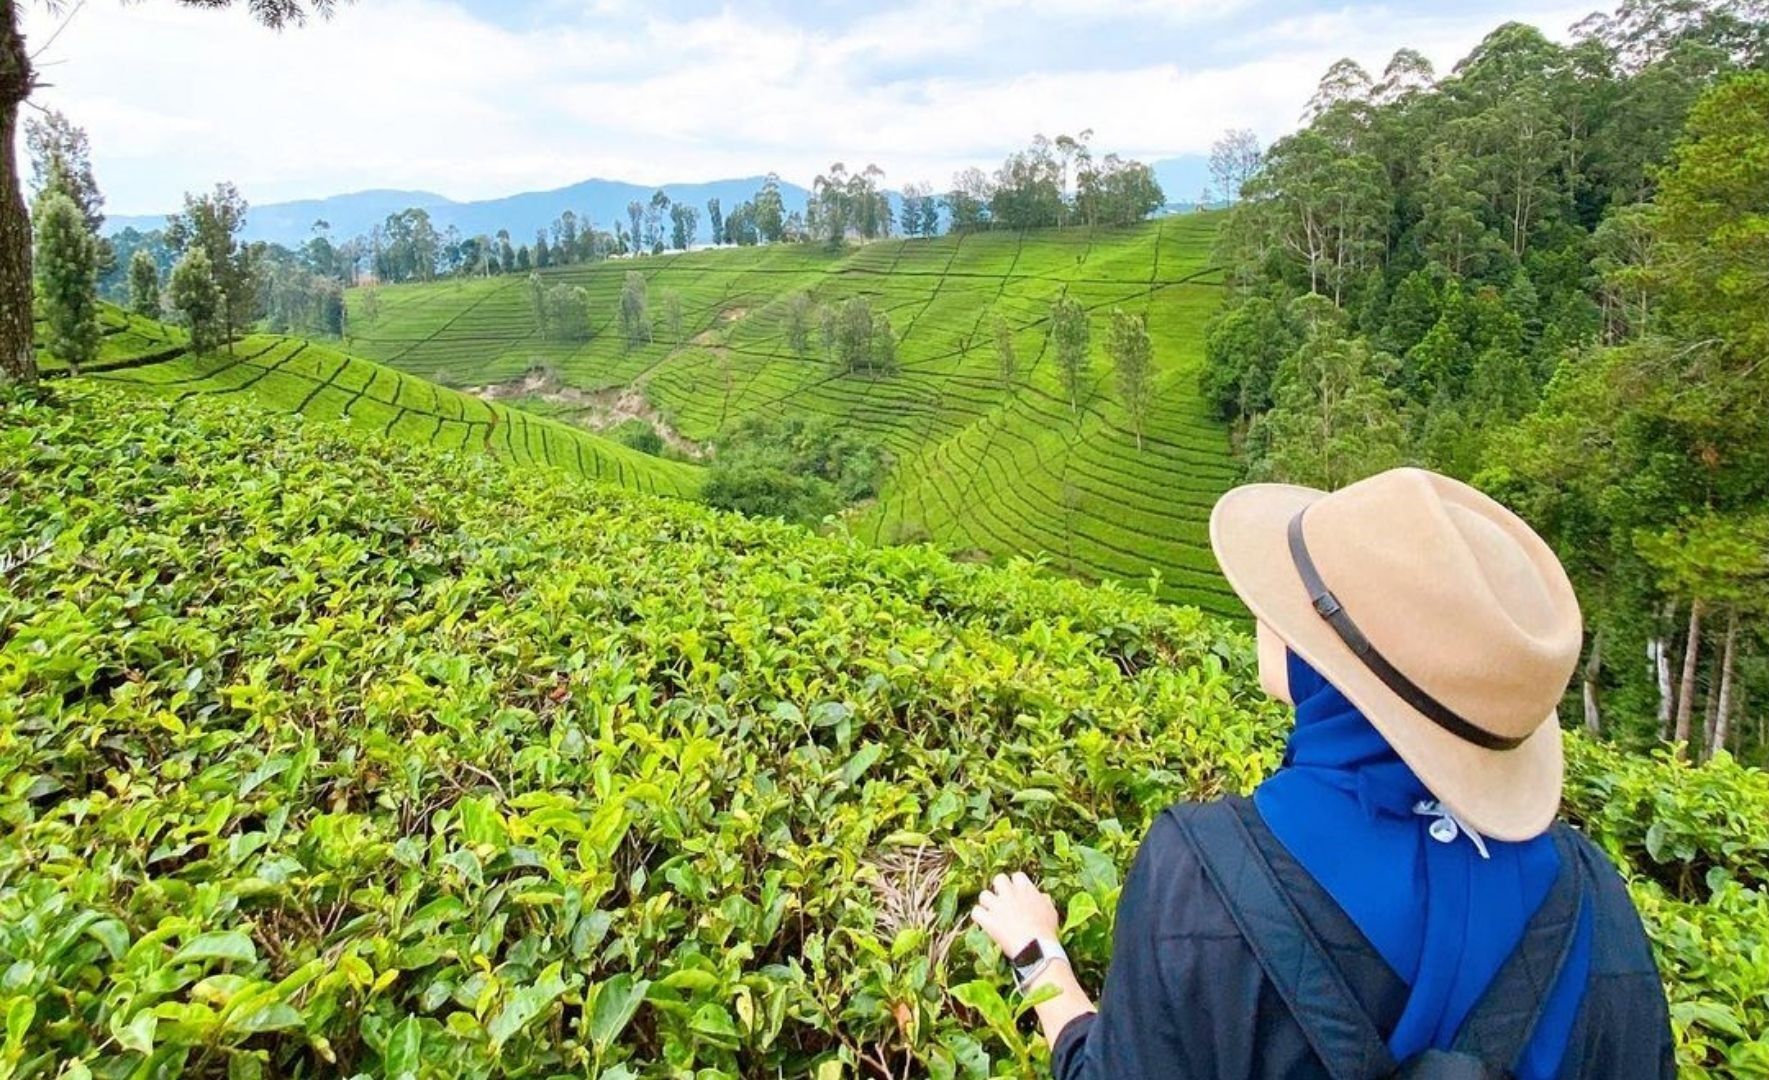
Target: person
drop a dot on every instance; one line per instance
(1396, 899)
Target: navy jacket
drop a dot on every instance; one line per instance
(1185, 997)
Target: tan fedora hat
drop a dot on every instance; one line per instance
(1439, 613)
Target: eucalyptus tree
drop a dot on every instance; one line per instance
(1234, 159)
(1132, 359)
(1070, 335)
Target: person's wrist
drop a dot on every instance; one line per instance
(1032, 964)
(1051, 971)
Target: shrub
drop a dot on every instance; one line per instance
(323, 755)
(794, 470)
(638, 434)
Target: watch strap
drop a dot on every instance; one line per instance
(1035, 959)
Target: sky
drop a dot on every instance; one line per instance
(477, 99)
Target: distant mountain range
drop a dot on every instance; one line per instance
(604, 201)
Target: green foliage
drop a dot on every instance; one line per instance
(638, 434)
(799, 307)
(1548, 269)
(794, 470)
(428, 766)
(212, 224)
(1334, 419)
(860, 340)
(198, 299)
(1129, 349)
(1006, 363)
(67, 278)
(635, 322)
(981, 467)
(1069, 334)
(568, 313)
(1242, 353)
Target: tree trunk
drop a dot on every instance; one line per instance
(1686, 691)
(1723, 710)
(18, 357)
(1660, 653)
(1713, 710)
(1593, 671)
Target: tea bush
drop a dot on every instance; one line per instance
(323, 755)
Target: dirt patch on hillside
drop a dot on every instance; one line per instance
(593, 410)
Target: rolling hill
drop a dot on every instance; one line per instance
(317, 381)
(981, 466)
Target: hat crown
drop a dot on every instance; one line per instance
(1455, 591)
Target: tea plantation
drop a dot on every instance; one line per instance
(983, 465)
(319, 382)
(328, 755)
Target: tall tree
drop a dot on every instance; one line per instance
(213, 223)
(144, 284)
(1070, 335)
(58, 146)
(198, 298)
(684, 226)
(831, 208)
(655, 210)
(568, 312)
(969, 200)
(635, 321)
(537, 303)
(1006, 364)
(636, 218)
(1132, 359)
(798, 322)
(1335, 419)
(715, 220)
(1234, 159)
(770, 211)
(67, 278)
(18, 362)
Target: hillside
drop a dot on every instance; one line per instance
(318, 382)
(326, 755)
(981, 467)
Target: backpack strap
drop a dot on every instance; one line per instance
(1337, 1027)
(1504, 1020)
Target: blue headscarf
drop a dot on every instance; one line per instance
(1443, 916)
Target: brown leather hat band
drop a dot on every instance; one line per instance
(1327, 606)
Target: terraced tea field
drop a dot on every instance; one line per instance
(319, 382)
(982, 466)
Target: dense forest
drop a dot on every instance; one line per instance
(1545, 272)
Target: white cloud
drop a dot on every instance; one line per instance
(421, 93)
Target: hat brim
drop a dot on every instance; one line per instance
(1505, 794)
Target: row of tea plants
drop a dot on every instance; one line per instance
(327, 756)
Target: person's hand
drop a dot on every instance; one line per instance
(1012, 911)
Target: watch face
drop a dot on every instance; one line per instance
(1031, 954)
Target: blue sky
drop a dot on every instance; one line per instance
(478, 98)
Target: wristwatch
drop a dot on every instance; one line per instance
(1031, 961)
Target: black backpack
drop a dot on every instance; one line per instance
(1341, 1033)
